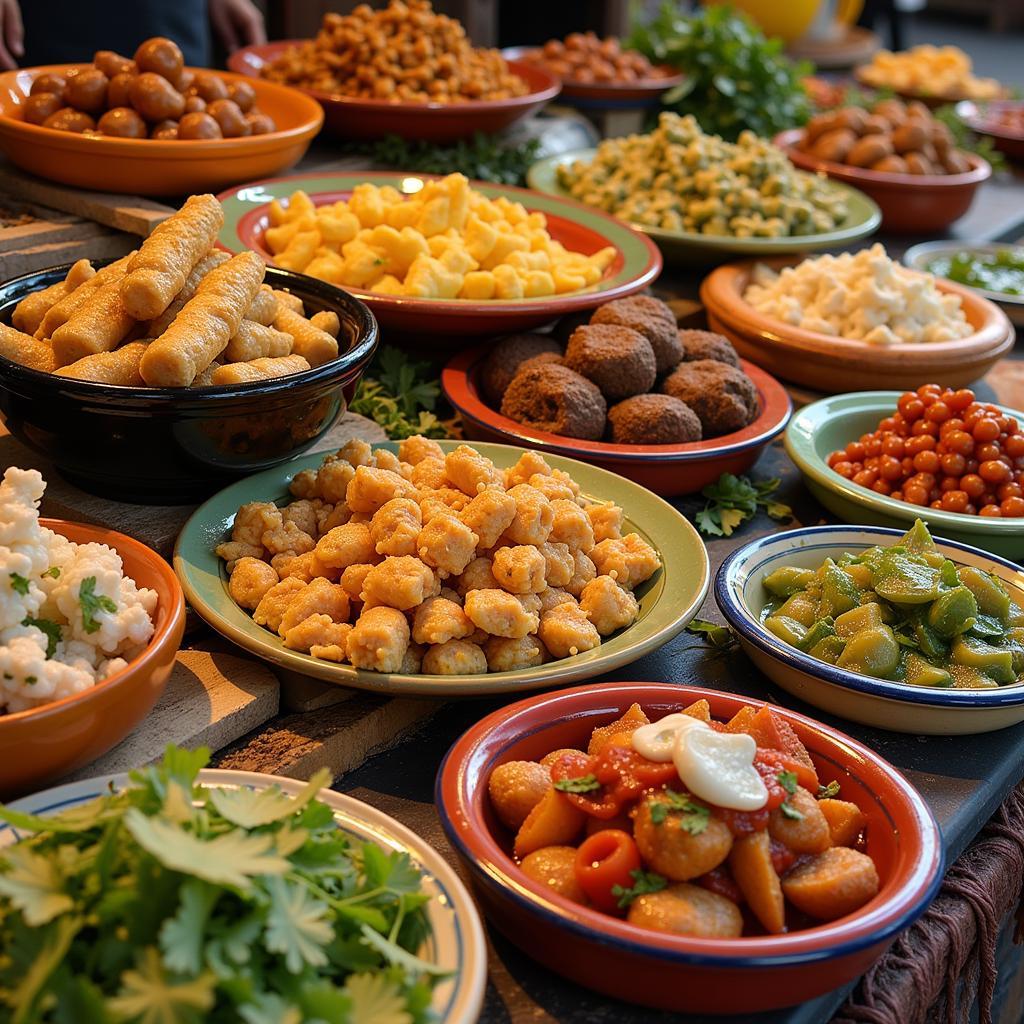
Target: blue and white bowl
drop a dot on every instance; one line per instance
(896, 706)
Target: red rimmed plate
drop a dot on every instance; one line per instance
(431, 122)
(678, 972)
(577, 227)
(666, 469)
(980, 118)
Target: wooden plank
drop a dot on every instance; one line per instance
(100, 245)
(339, 738)
(211, 700)
(303, 693)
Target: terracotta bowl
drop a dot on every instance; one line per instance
(979, 117)
(834, 365)
(675, 972)
(666, 469)
(154, 167)
(431, 122)
(46, 743)
(910, 203)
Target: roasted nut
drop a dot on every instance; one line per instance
(164, 130)
(155, 98)
(818, 126)
(48, 83)
(910, 137)
(39, 107)
(111, 63)
(119, 91)
(876, 124)
(834, 145)
(160, 56)
(260, 124)
(123, 123)
(198, 126)
(67, 119)
(956, 163)
(869, 150)
(243, 94)
(87, 91)
(852, 118)
(194, 104)
(210, 86)
(231, 120)
(892, 164)
(917, 163)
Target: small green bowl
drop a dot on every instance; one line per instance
(668, 601)
(823, 427)
(694, 249)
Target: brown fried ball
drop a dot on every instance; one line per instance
(723, 397)
(556, 399)
(507, 357)
(653, 319)
(543, 359)
(708, 345)
(619, 360)
(653, 419)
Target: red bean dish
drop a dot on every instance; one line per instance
(943, 449)
(628, 835)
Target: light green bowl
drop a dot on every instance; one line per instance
(692, 248)
(823, 427)
(668, 601)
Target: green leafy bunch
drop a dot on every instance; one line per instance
(736, 78)
(732, 500)
(400, 393)
(171, 903)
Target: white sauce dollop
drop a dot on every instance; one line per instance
(717, 767)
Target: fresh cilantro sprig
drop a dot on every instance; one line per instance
(732, 500)
(718, 636)
(91, 603)
(53, 572)
(788, 781)
(693, 817)
(789, 811)
(644, 882)
(19, 584)
(50, 628)
(582, 784)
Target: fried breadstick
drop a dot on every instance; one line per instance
(158, 270)
(327, 320)
(100, 324)
(28, 314)
(119, 367)
(25, 350)
(212, 259)
(289, 301)
(259, 369)
(254, 341)
(206, 323)
(205, 379)
(263, 308)
(61, 312)
(314, 345)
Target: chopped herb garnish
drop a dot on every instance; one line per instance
(53, 572)
(19, 584)
(91, 603)
(829, 792)
(644, 882)
(788, 781)
(693, 819)
(583, 784)
(716, 635)
(789, 811)
(31, 680)
(400, 394)
(50, 628)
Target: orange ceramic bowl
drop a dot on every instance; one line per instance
(354, 118)
(666, 469)
(45, 743)
(833, 365)
(677, 972)
(155, 167)
(910, 203)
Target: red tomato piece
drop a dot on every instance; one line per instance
(605, 860)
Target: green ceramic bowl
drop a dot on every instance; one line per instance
(823, 427)
(668, 601)
(704, 250)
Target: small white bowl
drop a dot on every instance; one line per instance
(882, 703)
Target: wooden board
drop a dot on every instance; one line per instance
(211, 700)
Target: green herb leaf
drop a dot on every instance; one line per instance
(788, 781)
(50, 628)
(718, 636)
(251, 808)
(789, 811)
(33, 882)
(53, 572)
(151, 996)
(732, 500)
(297, 926)
(19, 584)
(829, 792)
(91, 603)
(693, 818)
(582, 784)
(644, 882)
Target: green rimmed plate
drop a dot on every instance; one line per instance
(704, 250)
(830, 424)
(579, 228)
(668, 601)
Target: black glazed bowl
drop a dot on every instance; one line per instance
(179, 445)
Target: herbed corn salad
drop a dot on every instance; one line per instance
(680, 179)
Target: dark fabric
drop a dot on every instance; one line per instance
(938, 968)
(67, 31)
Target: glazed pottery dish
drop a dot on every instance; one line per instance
(667, 469)
(830, 424)
(828, 363)
(45, 742)
(354, 118)
(155, 167)
(635, 264)
(1001, 120)
(721, 971)
(691, 248)
(910, 203)
(661, 606)
(453, 946)
(882, 703)
(203, 435)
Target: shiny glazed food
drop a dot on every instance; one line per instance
(584, 57)
(676, 825)
(943, 449)
(902, 612)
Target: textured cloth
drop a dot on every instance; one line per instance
(936, 970)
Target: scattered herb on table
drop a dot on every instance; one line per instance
(736, 78)
(644, 882)
(718, 636)
(732, 500)
(171, 903)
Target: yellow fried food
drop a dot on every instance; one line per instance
(100, 324)
(25, 350)
(62, 311)
(212, 259)
(120, 367)
(258, 369)
(29, 312)
(254, 340)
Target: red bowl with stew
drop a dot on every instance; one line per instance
(1002, 120)
(677, 972)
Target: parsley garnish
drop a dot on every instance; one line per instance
(31, 680)
(19, 584)
(829, 792)
(789, 811)
(788, 781)
(91, 603)
(582, 784)
(716, 635)
(733, 500)
(401, 395)
(53, 571)
(694, 818)
(643, 883)
(50, 628)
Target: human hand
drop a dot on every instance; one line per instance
(237, 23)
(11, 34)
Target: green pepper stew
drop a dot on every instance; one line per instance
(1000, 271)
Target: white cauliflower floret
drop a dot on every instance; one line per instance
(20, 596)
(28, 678)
